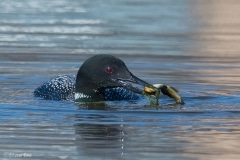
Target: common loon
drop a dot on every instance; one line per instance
(100, 78)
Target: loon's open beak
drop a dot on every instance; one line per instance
(128, 84)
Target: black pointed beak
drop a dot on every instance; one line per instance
(128, 84)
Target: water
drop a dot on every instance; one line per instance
(191, 45)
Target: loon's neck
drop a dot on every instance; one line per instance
(85, 91)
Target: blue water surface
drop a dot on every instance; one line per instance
(191, 45)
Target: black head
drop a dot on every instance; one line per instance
(104, 71)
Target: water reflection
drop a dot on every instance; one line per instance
(217, 35)
(182, 135)
(97, 140)
(100, 134)
(218, 27)
(216, 139)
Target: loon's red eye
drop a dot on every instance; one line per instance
(109, 70)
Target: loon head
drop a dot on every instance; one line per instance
(101, 72)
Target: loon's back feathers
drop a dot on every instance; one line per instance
(62, 87)
(119, 93)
